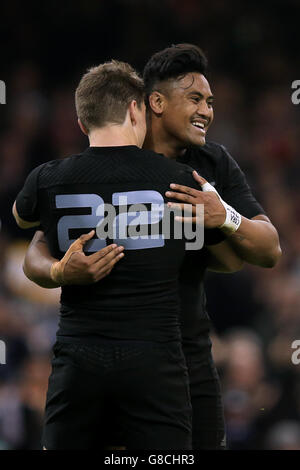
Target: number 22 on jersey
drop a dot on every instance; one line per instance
(121, 221)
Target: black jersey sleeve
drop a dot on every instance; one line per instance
(213, 236)
(27, 199)
(235, 189)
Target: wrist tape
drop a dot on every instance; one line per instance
(56, 273)
(233, 218)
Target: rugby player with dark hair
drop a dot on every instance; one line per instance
(179, 113)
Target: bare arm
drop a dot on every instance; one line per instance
(256, 240)
(223, 259)
(38, 261)
(74, 268)
(35, 268)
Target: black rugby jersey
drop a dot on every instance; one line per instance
(139, 299)
(215, 164)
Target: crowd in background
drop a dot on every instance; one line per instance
(253, 55)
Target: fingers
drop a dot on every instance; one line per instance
(199, 178)
(206, 186)
(186, 219)
(111, 264)
(104, 266)
(81, 269)
(80, 242)
(86, 237)
(185, 208)
(184, 189)
(110, 256)
(102, 253)
(181, 197)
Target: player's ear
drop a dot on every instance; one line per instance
(133, 112)
(84, 130)
(157, 102)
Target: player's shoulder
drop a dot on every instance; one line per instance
(168, 167)
(53, 170)
(150, 155)
(212, 158)
(168, 163)
(213, 151)
(63, 161)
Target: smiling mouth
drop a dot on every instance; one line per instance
(200, 126)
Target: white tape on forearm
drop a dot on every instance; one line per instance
(233, 218)
(57, 272)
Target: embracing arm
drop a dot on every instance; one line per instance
(254, 240)
(223, 259)
(74, 268)
(35, 267)
(38, 261)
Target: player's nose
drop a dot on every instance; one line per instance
(205, 112)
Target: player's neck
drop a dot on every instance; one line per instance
(112, 136)
(157, 140)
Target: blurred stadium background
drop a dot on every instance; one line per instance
(253, 50)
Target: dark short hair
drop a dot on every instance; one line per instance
(173, 62)
(104, 93)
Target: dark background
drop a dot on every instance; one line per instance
(253, 52)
